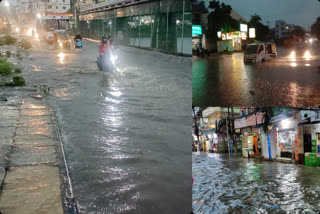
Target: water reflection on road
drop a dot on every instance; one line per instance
(226, 80)
(224, 184)
(117, 128)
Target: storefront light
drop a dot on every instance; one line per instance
(252, 33)
(219, 34)
(243, 27)
(285, 123)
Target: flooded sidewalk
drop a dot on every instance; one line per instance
(29, 164)
(224, 184)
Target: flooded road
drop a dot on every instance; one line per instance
(225, 80)
(239, 185)
(117, 127)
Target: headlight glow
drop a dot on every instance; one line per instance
(293, 54)
(113, 59)
(307, 55)
(36, 36)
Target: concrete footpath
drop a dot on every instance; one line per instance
(29, 162)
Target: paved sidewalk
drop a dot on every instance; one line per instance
(29, 170)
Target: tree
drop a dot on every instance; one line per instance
(262, 31)
(315, 28)
(220, 19)
(299, 32)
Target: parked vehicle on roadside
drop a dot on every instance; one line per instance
(260, 52)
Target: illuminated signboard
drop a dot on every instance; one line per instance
(230, 35)
(223, 36)
(243, 27)
(219, 34)
(252, 33)
(196, 30)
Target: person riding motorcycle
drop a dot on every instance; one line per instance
(77, 37)
(78, 41)
(104, 49)
(104, 46)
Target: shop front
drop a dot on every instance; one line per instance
(196, 37)
(287, 143)
(232, 41)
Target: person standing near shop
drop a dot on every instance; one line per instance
(259, 146)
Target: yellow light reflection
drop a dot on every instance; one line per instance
(61, 57)
(29, 33)
(307, 64)
(36, 36)
(293, 54)
(293, 64)
(307, 55)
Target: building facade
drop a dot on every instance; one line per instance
(290, 135)
(282, 29)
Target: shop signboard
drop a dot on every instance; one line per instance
(236, 34)
(239, 123)
(196, 30)
(243, 27)
(223, 36)
(312, 159)
(219, 34)
(229, 35)
(252, 33)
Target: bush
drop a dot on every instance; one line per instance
(17, 70)
(25, 44)
(18, 55)
(7, 40)
(5, 68)
(18, 81)
(8, 54)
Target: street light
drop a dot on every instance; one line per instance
(6, 4)
(38, 15)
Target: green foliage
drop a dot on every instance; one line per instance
(8, 54)
(25, 44)
(18, 81)
(220, 19)
(262, 31)
(5, 30)
(315, 28)
(17, 70)
(18, 55)
(7, 40)
(5, 68)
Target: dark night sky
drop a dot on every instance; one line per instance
(298, 12)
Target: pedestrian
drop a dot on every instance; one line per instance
(259, 145)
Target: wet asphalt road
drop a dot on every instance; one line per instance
(226, 81)
(239, 185)
(117, 127)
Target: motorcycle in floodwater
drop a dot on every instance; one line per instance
(78, 43)
(107, 62)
